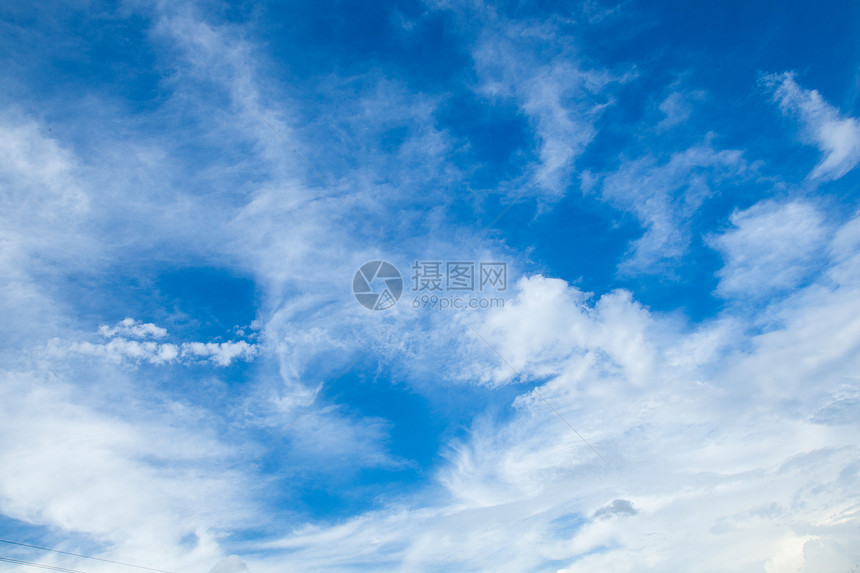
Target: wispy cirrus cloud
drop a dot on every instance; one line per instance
(823, 125)
(652, 395)
(126, 478)
(399, 441)
(560, 92)
(770, 248)
(664, 196)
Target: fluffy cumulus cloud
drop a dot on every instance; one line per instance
(221, 353)
(527, 332)
(124, 344)
(132, 328)
(837, 136)
(120, 349)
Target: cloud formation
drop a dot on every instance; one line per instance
(664, 197)
(123, 346)
(770, 248)
(823, 125)
(570, 430)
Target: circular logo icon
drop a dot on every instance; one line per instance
(377, 285)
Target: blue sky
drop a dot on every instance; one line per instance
(187, 381)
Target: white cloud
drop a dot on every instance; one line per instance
(837, 137)
(731, 448)
(221, 353)
(548, 328)
(119, 348)
(664, 197)
(771, 247)
(676, 109)
(43, 207)
(124, 476)
(845, 252)
(789, 557)
(37, 175)
(231, 564)
(718, 444)
(561, 96)
(72, 213)
(134, 329)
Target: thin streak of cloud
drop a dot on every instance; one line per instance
(823, 125)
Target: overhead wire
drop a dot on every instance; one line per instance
(38, 565)
(82, 556)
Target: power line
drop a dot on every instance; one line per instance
(38, 565)
(83, 556)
